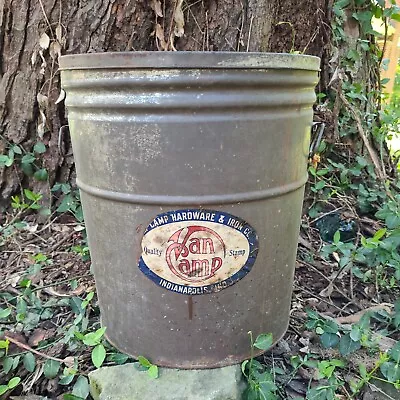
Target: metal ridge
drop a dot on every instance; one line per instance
(191, 200)
(189, 60)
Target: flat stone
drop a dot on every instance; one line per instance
(126, 382)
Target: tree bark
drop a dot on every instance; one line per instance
(28, 67)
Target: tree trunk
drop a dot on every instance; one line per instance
(33, 33)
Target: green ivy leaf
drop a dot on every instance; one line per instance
(93, 338)
(39, 148)
(27, 169)
(67, 204)
(320, 185)
(3, 389)
(118, 358)
(396, 320)
(51, 368)
(363, 371)
(144, 362)
(329, 340)
(390, 371)
(336, 237)
(322, 172)
(319, 330)
(3, 160)
(243, 367)
(88, 299)
(267, 387)
(28, 159)
(330, 326)
(263, 341)
(4, 344)
(153, 372)
(379, 234)
(395, 352)
(14, 382)
(347, 345)
(7, 364)
(318, 393)
(30, 195)
(16, 149)
(66, 380)
(70, 396)
(362, 161)
(41, 175)
(81, 387)
(29, 362)
(15, 362)
(392, 221)
(98, 355)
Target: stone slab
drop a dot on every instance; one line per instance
(126, 382)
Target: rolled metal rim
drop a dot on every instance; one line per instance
(189, 60)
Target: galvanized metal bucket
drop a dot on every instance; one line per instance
(192, 169)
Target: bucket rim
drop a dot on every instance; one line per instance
(188, 60)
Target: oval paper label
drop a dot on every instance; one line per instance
(197, 251)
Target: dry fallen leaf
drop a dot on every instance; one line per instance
(13, 281)
(336, 256)
(61, 96)
(44, 64)
(69, 361)
(156, 6)
(39, 335)
(160, 37)
(354, 318)
(31, 228)
(59, 33)
(179, 19)
(327, 291)
(44, 41)
(42, 100)
(55, 50)
(34, 57)
(77, 292)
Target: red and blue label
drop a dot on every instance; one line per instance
(196, 251)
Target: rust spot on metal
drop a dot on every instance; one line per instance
(139, 228)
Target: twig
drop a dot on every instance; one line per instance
(60, 282)
(330, 283)
(63, 240)
(384, 41)
(207, 33)
(28, 348)
(330, 303)
(381, 174)
(381, 391)
(170, 34)
(45, 16)
(240, 37)
(248, 39)
(312, 38)
(325, 214)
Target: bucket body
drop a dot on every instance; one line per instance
(192, 169)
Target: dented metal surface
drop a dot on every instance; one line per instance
(161, 134)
